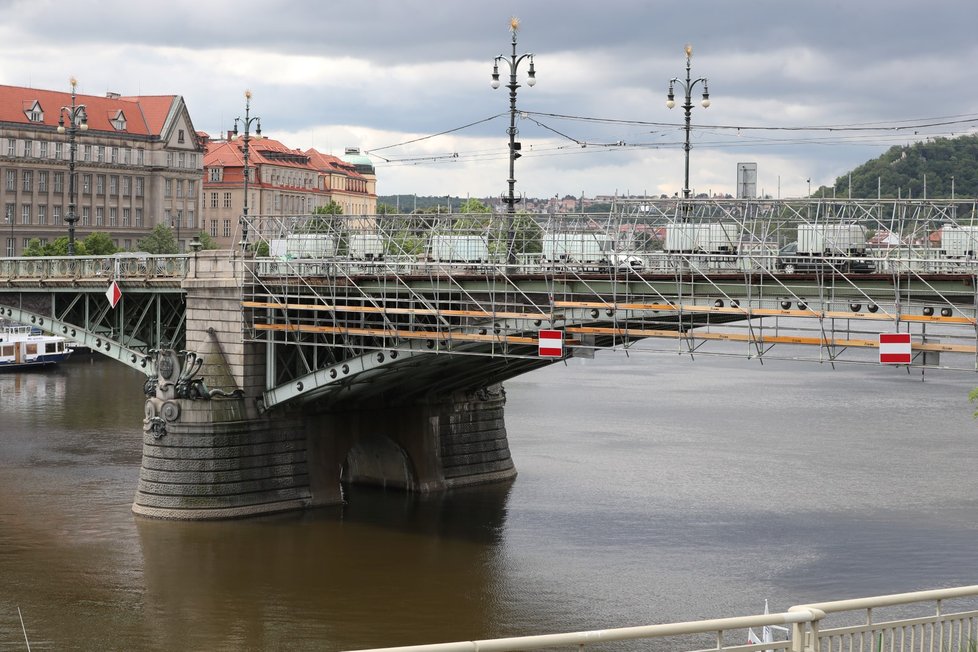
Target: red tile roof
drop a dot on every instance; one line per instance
(145, 115)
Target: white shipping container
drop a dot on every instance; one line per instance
(459, 248)
(831, 239)
(718, 237)
(310, 245)
(686, 237)
(366, 246)
(960, 241)
(577, 247)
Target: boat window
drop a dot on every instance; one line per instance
(32, 349)
(6, 350)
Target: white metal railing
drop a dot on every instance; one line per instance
(941, 620)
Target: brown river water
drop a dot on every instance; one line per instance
(651, 489)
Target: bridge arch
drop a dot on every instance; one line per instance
(97, 342)
(376, 459)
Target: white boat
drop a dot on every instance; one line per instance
(25, 346)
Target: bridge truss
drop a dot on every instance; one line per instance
(345, 302)
(66, 296)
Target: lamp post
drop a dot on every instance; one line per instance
(687, 106)
(77, 119)
(514, 61)
(247, 120)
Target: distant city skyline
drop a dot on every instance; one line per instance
(807, 91)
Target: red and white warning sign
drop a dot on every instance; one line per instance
(895, 348)
(551, 344)
(113, 294)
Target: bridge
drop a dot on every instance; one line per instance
(372, 349)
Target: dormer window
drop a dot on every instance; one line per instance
(180, 136)
(119, 121)
(33, 111)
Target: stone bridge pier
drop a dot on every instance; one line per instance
(209, 453)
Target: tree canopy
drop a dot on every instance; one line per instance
(159, 241)
(910, 171)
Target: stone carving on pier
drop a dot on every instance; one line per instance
(177, 377)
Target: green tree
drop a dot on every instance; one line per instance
(99, 244)
(159, 241)
(206, 241)
(386, 209)
(34, 248)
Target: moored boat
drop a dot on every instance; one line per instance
(25, 346)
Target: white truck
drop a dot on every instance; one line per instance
(831, 239)
(578, 248)
(459, 249)
(365, 246)
(959, 241)
(303, 245)
(709, 238)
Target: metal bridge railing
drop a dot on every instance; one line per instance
(117, 266)
(942, 620)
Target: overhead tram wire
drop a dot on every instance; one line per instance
(859, 133)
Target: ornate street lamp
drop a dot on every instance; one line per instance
(514, 61)
(688, 106)
(247, 120)
(77, 120)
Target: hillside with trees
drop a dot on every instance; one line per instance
(911, 171)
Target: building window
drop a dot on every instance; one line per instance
(11, 147)
(213, 200)
(168, 218)
(126, 186)
(8, 214)
(139, 217)
(59, 182)
(11, 180)
(227, 200)
(100, 184)
(113, 185)
(28, 180)
(87, 184)
(114, 154)
(191, 188)
(35, 113)
(227, 228)
(169, 159)
(44, 149)
(128, 244)
(99, 216)
(100, 153)
(180, 160)
(85, 152)
(190, 220)
(213, 228)
(42, 214)
(126, 217)
(29, 148)
(213, 174)
(42, 181)
(25, 214)
(180, 136)
(179, 187)
(59, 151)
(86, 216)
(119, 123)
(139, 156)
(56, 214)
(113, 215)
(167, 187)
(139, 186)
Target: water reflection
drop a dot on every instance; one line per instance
(386, 569)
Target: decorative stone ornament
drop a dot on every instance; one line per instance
(176, 378)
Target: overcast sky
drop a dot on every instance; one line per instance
(377, 73)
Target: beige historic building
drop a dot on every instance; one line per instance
(281, 182)
(138, 164)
